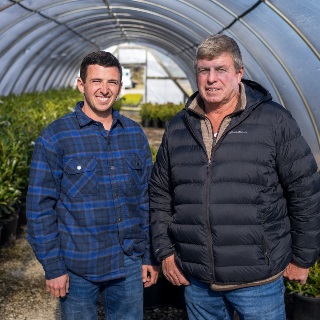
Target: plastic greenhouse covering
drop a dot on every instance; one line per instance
(42, 42)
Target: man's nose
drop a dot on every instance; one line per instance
(104, 87)
(212, 76)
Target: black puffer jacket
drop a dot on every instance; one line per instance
(244, 215)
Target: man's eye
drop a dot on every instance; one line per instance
(113, 83)
(203, 71)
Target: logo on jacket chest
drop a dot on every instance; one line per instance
(239, 131)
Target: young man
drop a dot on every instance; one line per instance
(87, 203)
(235, 194)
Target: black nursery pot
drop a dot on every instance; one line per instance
(305, 308)
(153, 297)
(0, 231)
(9, 230)
(174, 295)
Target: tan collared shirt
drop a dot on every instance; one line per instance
(209, 137)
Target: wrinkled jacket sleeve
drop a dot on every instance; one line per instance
(300, 180)
(161, 208)
(43, 194)
(148, 257)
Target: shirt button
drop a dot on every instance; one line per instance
(112, 167)
(120, 220)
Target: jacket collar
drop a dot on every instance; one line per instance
(197, 105)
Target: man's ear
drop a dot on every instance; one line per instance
(120, 88)
(80, 85)
(240, 75)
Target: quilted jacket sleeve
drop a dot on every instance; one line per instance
(300, 180)
(161, 204)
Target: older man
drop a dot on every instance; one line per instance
(235, 194)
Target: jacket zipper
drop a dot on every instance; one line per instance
(210, 244)
(210, 249)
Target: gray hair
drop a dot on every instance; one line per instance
(216, 45)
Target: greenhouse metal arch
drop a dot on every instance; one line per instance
(43, 42)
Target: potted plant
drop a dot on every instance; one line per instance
(22, 117)
(154, 296)
(11, 167)
(304, 300)
(145, 114)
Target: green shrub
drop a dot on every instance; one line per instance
(161, 112)
(22, 117)
(131, 99)
(153, 153)
(146, 112)
(167, 111)
(312, 287)
(117, 104)
(13, 170)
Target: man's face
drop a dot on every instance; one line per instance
(218, 81)
(100, 90)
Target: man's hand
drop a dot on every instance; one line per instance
(149, 275)
(172, 272)
(296, 273)
(58, 287)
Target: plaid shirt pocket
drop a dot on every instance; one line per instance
(79, 177)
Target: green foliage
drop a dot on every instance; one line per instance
(22, 117)
(167, 111)
(117, 104)
(153, 153)
(131, 99)
(161, 112)
(146, 111)
(13, 167)
(312, 287)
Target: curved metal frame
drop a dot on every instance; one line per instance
(93, 25)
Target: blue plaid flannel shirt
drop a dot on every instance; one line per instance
(87, 201)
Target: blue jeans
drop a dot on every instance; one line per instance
(265, 302)
(122, 299)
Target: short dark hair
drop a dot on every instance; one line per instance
(216, 45)
(101, 58)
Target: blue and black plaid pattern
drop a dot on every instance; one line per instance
(87, 202)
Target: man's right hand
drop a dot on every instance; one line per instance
(172, 272)
(58, 287)
(295, 273)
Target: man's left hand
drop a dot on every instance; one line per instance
(295, 273)
(149, 275)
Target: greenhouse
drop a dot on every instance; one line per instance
(42, 43)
